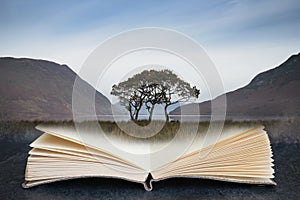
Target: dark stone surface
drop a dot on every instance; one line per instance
(13, 161)
(15, 138)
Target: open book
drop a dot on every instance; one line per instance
(240, 154)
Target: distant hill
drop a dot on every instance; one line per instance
(40, 90)
(273, 93)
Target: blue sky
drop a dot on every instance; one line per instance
(243, 37)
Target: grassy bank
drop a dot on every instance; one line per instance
(287, 130)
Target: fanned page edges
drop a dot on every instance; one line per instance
(243, 158)
(53, 159)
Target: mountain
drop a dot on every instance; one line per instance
(273, 93)
(41, 90)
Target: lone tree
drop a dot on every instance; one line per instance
(152, 87)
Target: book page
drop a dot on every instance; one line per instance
(55, 145)
(245, 157)
(146, 154)
(93, 139)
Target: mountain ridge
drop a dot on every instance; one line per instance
(270, 93)
(36, 89)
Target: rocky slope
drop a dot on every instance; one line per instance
(41, 90)
(273, 93)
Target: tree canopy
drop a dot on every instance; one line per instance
(152, 87)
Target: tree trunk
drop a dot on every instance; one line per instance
(131, 116)
(137, 113)
(130, 112)
(151, 113)
(166, 113)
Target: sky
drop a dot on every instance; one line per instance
(243, 38)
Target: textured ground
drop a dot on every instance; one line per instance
(13, 159)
